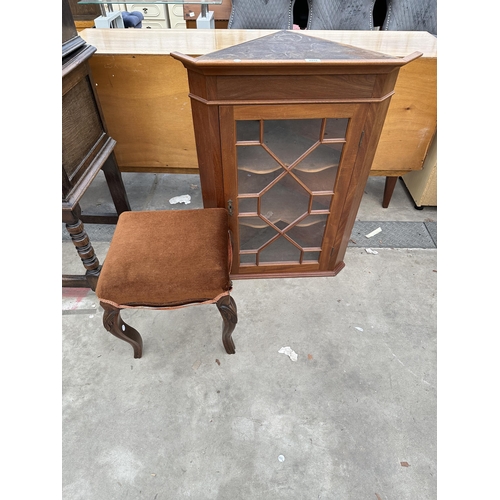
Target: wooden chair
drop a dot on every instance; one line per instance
(408, 15)
(340, 14)
(261, 14)
(165, 260)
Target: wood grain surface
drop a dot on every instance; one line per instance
(144, 94)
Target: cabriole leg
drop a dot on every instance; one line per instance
(227, 309)
(114, 324)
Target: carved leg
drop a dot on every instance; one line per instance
(116, 326)
(227, 308)
(83, 246)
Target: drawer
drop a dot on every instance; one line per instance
(150, 11)
(176, 16)
(154, 25)
(178, 25)
(176, 11)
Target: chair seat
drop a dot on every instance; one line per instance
(165, 259)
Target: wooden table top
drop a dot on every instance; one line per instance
(196, 42)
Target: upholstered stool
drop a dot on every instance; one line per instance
(164, 260)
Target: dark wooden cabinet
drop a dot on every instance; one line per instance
(286, 129)
(86, 149)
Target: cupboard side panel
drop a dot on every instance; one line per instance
(208, 150)
(375, 115)
(343, 185)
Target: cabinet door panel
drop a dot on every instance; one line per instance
(286, 171)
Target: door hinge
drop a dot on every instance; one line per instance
(332, 252)
(230, 207)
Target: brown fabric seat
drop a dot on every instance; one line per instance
(167, 259)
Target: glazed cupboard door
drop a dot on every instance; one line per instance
(287, 170)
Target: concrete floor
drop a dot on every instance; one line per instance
(353, 418)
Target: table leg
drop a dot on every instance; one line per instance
(390, 184)
(205, 19)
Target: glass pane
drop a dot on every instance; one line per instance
(254, 233)
(286, 201)
(321, 202)
(319, 181)
(280, 250)
(280, 224)
(256, 169)
(285, 197)
(324, 156)
(254, 183)
(308, 233)
(248, 130)
(256, 159)
(336, 128)
(247, 205)
(248, 259)
(289, 139)
(311, 257)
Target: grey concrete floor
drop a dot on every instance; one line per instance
(353, 418)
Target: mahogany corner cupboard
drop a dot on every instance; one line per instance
(286, 129)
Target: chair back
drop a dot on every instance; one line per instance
(340, 14)
(261, 14)
(411, 15)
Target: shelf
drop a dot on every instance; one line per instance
(322, 181)
(254, 232)
(258, 223)
(279, 251)
(256, 159)
(319, 181)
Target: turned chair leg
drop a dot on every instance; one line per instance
(116, 326)
(227, 309)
